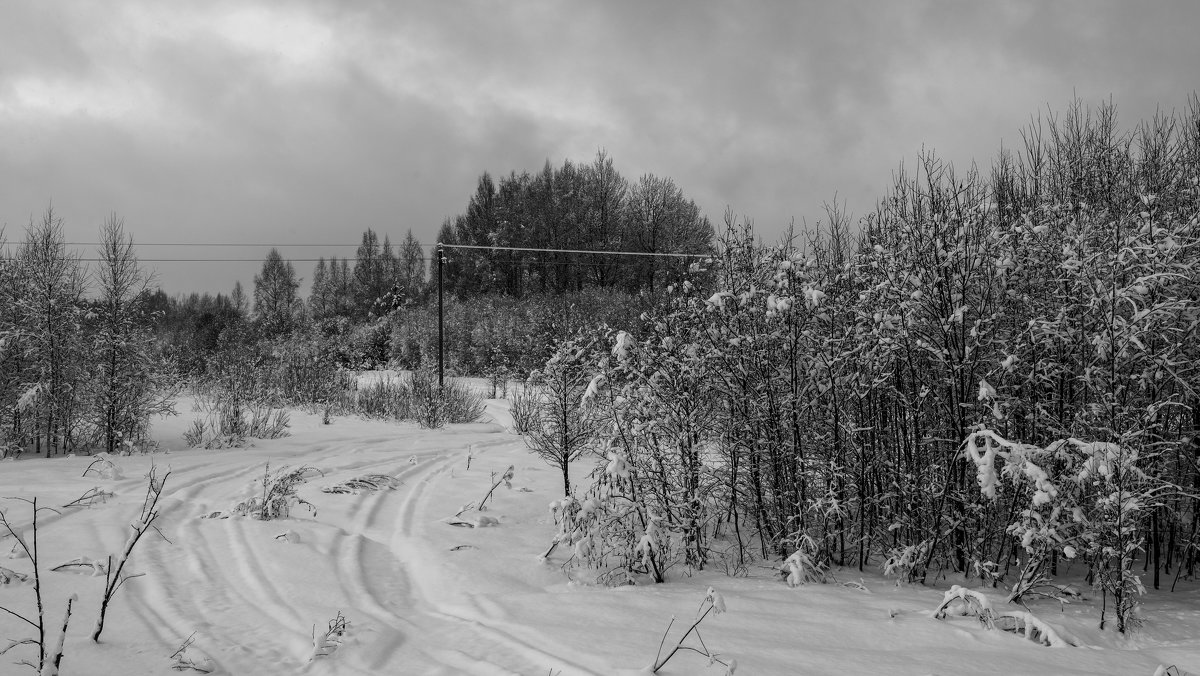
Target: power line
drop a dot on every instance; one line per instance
(423, 246)
(215, 260)
(475, 247)
(575, 251)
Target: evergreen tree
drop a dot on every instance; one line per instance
(368, 280)
(318, 296)
(412, 266)
(275, 294)
(238, 299)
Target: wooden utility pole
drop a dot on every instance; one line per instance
(441, 320)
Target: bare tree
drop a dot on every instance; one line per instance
(563, 426)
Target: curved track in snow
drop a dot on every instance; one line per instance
(254, 599)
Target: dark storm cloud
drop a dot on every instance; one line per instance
(289, 122)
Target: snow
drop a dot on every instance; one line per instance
(419, 596)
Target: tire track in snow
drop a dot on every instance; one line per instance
(210, 603)
(230, 587)
(503, 648)
(364, 561)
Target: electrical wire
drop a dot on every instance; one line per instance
(575, 251)
(423, 246)
(474, 247)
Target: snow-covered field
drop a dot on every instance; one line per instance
(424, 597)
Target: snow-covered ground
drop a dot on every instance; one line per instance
(424, 597)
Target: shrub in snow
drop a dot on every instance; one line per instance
(1024, 623)
(1085, 499)
(609, 531)
(969, 602)
(452, 403)
(229, 425)
(274, 495)
(279, 496)
(974, 603)
(655, 489)
(524, 408)
(805, 564)
(907, 563)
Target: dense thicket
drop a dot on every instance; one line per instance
(820, 396)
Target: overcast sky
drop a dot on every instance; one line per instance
(308, 122)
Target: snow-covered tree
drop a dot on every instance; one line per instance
(275, 294)
(49, 335)
(563, 426)
(128, 381)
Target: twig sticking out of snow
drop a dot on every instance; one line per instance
(8, 576)
(505, 478)
(112, 573)
(104, 467)
(91, 497)
(184, 661)
(713, 603)
(324, 644)
(28, 548)
(52, 662)
(96, 566)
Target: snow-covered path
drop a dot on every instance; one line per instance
(255, 596)
(424, 597)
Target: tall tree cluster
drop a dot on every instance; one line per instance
(996, 377)
(379, 280)
(80, 365)
(575, 207)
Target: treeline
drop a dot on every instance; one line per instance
(819, 399)
(506, 309)
(577, 207)
(348, 306)
(79, 365)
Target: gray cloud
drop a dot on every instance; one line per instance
(272, 122)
